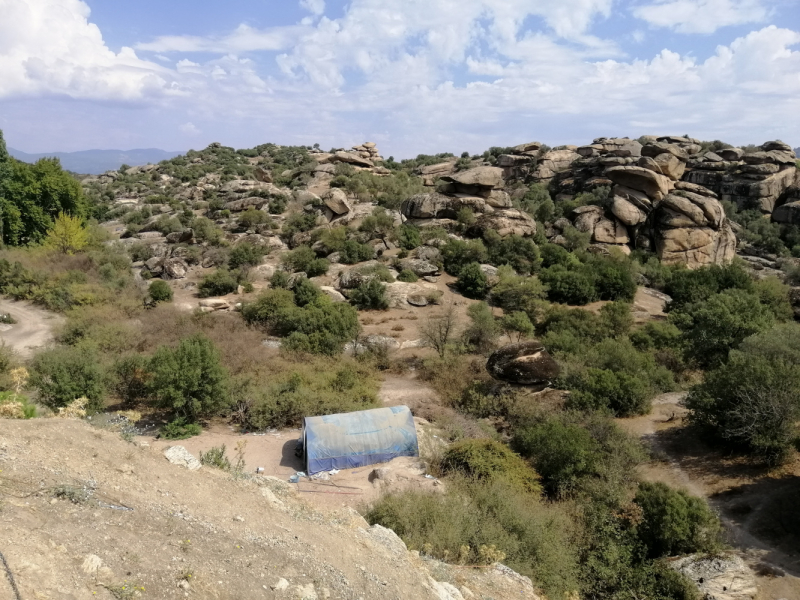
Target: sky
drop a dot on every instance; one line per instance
(413, 76)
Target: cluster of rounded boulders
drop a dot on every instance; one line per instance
(525, 363)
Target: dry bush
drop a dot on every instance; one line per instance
(452, 375)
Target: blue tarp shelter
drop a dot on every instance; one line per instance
(350, 440)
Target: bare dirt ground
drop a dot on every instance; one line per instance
(84, 515)
(33, 329)
(757, 506)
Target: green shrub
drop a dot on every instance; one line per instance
(457, 254)
(245, 254)
(370, 295)
(714, 326)
(303, 259)
(623, 394)
(698, 285)
(408, 237)
(490, 460)
(159, 291)
(352, 252)
(407, 276)
(618, 317)
(516, 324)
(315, 387)
(513, 294)
(64, 374)
(484, 522)
(216, 457)
(189, 381)
(614, 278)
(482, 331)
(569, 287)
(673, 522)
(218, 283)
(251, 218)
(521, 254)
(25, 409)
(305, 292)
(472, 281)
(179, 429)
(130, 376)
(206, 231)
(752, 402)
(279, 280)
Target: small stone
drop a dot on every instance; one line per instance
(281, 585)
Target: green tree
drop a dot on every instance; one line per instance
(159, 291)
(65, 374)
(673, 522)
(482, 331)
(190, 380)
(472, 281)
(516, 323)
(370, 295)
(68, 235)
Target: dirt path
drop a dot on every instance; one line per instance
(33, 329)
(739, 494)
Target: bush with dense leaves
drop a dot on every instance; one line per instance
(457, 254)
(62, 375)
(189, 381)
(686, 286)
(520, 253)
(752, 402)
(575, 287)
(353, 252)
(159, 291)
(251, 218)
(303, 259)
(218, 283)
(472, 281)
(408, 237)
(490, 460)
(673, 522)
(407, 276)
(370, 295)
(245, 254)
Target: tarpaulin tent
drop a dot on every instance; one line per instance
(350, 440)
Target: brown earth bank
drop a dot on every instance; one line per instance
(86, 514)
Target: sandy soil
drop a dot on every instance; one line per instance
(757, 506)
(33, 329)
(85, 515)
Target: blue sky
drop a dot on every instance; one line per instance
(411, 75)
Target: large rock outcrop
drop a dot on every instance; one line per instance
(526, 363)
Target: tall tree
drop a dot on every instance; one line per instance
(32, 197)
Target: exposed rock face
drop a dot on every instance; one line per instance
(175, 268)
(352, 158)
(554, 162)
(483, 177)
(718, 578)
(526, 363)
(426, 206)
(788, 214)
(178, 455)
(654, 185)
(336, 201)
(505, 222)
(419, 267)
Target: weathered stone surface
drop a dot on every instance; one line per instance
(587, 217)
(513, 160)
(788, 214)
(611, 231)
(262, 175)
(352, 158)
(554, 162)
(731, 154)
(696, 246)
(654, 149)
(337, 202)
(627, 212)
(181, 237)
(529, 147)
(425, 206)
(499, 199)
(178, 455)
(776, 145)
(485, 177)
(419, 267)
(505, 222)
(718, 577)
(638, 178)
(526, 363)
(245, 203)
(429, 254)
(694, 188)
(670, 165)
(175, 268)
(332, 293)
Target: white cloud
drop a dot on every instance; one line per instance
(702, 16)
(316, 7)
(190, 129)
(49, 46)
(243, 39)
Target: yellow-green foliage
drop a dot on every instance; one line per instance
(492, 461)
(68, 235)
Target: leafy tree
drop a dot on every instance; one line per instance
(305, 292)
(352, 252)
(514, 293)
(303, 259)
(159, 291)
(618, 316)
(370, 295)
(189, 380)
(752, 402)
(482, 331)
(516, 323)
(68, 235)
(472, 281)
(245, 254)
(457, 254)
(624, 394)
(218, 283)
(32, 196)
(520, 253)
(252, 217)
(569, 287)
(673, 522)
(408, 237)
(714, 326)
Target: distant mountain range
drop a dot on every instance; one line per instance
(797, 151)
(94, 162)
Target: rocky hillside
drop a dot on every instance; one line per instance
(659, 194)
